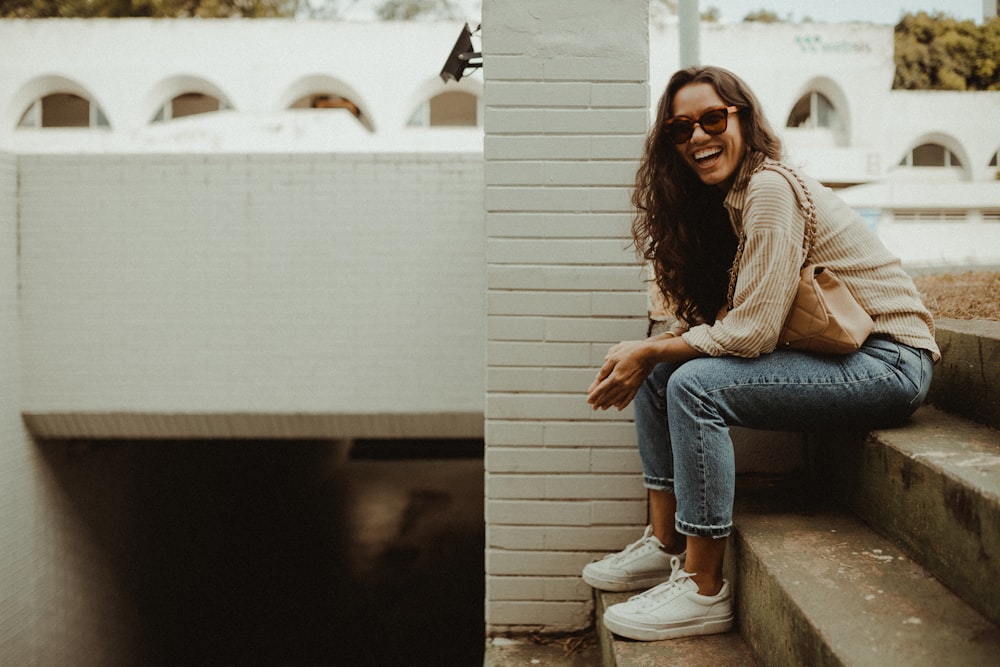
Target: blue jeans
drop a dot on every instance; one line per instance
(683, 413)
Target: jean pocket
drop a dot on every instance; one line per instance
(884, 350)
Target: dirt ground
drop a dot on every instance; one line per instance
(972, 295)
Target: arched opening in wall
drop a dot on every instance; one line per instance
(450, 109)
(189, 104)
(814, 111)
(930, 155)
(63, 110)
(936, 156)
(333, 102)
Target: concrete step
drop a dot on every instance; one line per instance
(932, 486)
(818, 587)
(545, 651)
(726, 649)
(821, 588)
(967, 379)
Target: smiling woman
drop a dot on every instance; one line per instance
(710, 181)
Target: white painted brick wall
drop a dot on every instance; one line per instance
(61, 601)
(16, 503)
(328, 295)
(566, 113)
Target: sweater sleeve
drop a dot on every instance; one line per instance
(773, 225)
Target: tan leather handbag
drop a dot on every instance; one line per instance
(825, 317)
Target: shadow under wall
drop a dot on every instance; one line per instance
(282, 553)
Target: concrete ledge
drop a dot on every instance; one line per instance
(934, 487)
(151, 425)
(967, 379)
(573, 651)
(822, 589)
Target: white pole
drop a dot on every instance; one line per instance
(689, 28)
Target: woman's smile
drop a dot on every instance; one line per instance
(706, 157)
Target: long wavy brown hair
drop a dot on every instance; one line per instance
(681, 225)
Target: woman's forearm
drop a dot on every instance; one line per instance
(668, 346)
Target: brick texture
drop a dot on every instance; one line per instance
(15, 482)
(300, 295)
(566, 112)
(61, 594)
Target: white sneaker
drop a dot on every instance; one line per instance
(642, 564)
(672, 609)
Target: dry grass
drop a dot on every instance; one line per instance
(964, 296)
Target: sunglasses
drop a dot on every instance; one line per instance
(680, 129)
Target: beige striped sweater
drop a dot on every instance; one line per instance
(764, 206)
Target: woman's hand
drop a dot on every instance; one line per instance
(625, 367)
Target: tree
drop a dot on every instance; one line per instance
(762, 16)
(941, 53)
(149, 8)
(406, 10)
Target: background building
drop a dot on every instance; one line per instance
(281, 229)
(261, 86)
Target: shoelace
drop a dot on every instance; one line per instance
(627, 551)
(654, 594)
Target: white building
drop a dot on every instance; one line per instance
(398, 264)
(927, 160)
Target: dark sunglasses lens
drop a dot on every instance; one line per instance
(680, 131)
(714, 122)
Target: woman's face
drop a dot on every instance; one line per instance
(714, 158)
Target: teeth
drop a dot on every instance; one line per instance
(707, 153)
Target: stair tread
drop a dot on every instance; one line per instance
(725, 649)
(961, 448)
(865, 598)
(932, 486)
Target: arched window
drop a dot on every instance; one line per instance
(327, 101)
(930, 155)
(189, 104)
(63, 110)
(814, 110)
(450, 109)
(335, 103)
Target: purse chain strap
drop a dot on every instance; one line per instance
(808, 209)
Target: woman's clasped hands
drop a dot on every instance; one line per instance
(625, 367)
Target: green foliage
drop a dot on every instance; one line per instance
(762, 16)
(150, 8)
(941, 53)
(406, 10)
(710, 15)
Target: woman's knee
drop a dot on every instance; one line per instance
(688, 379)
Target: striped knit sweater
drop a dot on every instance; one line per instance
(764, 206)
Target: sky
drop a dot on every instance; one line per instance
(732, 11)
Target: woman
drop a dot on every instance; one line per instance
(708, 179)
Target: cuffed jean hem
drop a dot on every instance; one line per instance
(658, 484)
(715, 532)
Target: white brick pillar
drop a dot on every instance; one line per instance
(567, 109)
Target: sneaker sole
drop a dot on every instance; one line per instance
(710, 625)
(619, 586)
